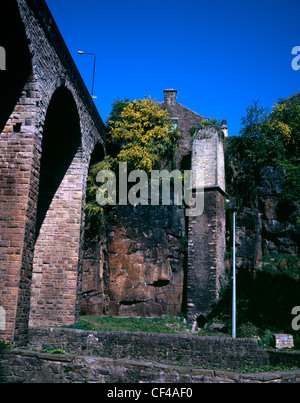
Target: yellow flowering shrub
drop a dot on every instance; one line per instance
(141, 133)
(144, 133)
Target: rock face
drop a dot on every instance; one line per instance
(143, 266)
(145, 261)
(165, 259)
(93, 267)
(265, 224)
(143, 272)
(279, 232)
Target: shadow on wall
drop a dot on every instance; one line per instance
(18, 60)
(61, 141)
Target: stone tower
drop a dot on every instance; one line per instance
(206, 233)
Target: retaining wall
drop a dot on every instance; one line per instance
(213, 352)
(20, 366)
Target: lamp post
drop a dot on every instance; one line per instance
(232, 204)
(234, 284)
(80, 52)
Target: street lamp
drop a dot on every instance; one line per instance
(80, 52)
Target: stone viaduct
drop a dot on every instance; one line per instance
(49, 129)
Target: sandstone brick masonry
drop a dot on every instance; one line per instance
(101, 357)
(206, 264)
(185, 119)
(170, 349)
(45, 72)
(208, 155)
(21, 366)
(206, 233)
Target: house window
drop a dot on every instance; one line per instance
(175, 123)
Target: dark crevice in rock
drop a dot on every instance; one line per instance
(160, 283)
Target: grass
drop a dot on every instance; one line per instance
(164, 325)
(174, 325)
(275, 368)
(52, 349)
(244, 369)
(4, 344)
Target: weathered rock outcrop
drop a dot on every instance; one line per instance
(280, 233)
(143, 272)
(265, 224)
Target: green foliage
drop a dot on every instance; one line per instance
(4, 345)
(212, 122)
(266, 368)
(281, 264)
(271, 137)
(264, 299)
(248, 331)
(183, 244)
(139, 133)
(52, 349)
(165, 325)
(274, 139)
(95, 214)
(291, 187)
(118, 106)
(265, 337)
(267, 139)
(143, 132)
(208, 122)
(290, 196)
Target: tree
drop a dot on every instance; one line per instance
(271, 137)
(144, 134)
(139, 133)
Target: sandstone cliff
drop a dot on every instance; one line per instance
(266, 224)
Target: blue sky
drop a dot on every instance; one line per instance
(219, 55)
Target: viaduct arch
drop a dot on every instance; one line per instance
(49, 127)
